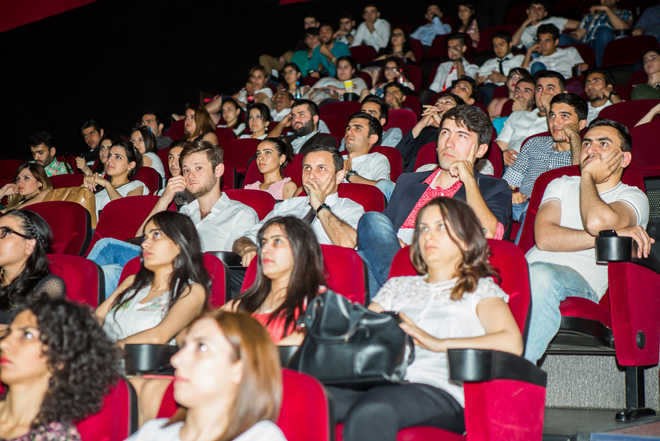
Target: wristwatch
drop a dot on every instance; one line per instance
(322, 207)
(613, 93)
(349, 174)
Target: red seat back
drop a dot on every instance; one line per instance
(418, 49)
(413, 103)
(486, 36)
(628, 112)
(8, 168)
(494, 155)
(404, 119)
(228, 176)
(363, 53)
(338, 262)
(81, 276)
(224, 133)
(117, 418)
(214, 266)
(261, 201)
(369, 196)
(71, 225)
(163, 154)
(638, 77)
(337, 125)
(239, 151)
(149, 177)
(427, 155)
(507, 108)
(339, 108)
(415, 77)
(646, 148)
(627, 50)
(121, 218)
(394, 158)
(176, 130)
(67, 180)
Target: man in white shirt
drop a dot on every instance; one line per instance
(363, 131)
(377, 108)
(218, 219)
(537, 12)
(494, 71)
(523, 124)
(455, 68)
(427, 33)
(373, 31)
(599, 88)
(549, 56)
(333, 219)
(573, 212)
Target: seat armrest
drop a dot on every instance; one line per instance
(476, 365)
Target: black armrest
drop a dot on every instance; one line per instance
(228, 258)
(484, 365)
(144, 358)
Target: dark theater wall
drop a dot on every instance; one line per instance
(113, 58)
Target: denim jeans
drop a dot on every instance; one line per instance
(550, 285)
(377, 245)
(518, 212)
(537, 66)
(111, 255)
(604, 35)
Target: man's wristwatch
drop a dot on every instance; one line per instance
(613, 93)
(322, 207)
(349, 174)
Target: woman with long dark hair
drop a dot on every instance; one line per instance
(169, 290)
(455, 303)
(467, 17)
(31, 185)
(259, 120)
(273, 155)
(399, 47)
(199, 125)
(25, 238)
(145, 141)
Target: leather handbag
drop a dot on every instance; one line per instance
(81, 195)
(347, 345)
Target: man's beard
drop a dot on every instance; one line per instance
(206, 189)
(305, 129)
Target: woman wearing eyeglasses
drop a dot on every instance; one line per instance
(25, 238)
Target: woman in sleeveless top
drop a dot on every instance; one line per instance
(273, 155)
(31, 185)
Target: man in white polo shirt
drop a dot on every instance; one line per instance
(550, 57)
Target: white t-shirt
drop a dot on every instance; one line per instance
(156, 163)
(528, 37)
(520, 126)
(103, 199)
(510, 61)
(358, 86)
(429, 305)
(562, 61)
(154, 431)
(372, 166)
(447, 73)
(594, 111)
(566, 190)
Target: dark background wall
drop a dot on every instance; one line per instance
(112, 59)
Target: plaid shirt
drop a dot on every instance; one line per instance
(56, 168)
(536, 157)
(592, 22)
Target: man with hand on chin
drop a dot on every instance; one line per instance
(333, 219)
(304, 121)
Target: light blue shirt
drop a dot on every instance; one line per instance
(428, 32)
(338, 50)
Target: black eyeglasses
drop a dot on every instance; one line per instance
(6, 231)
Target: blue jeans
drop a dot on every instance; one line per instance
(387, 187)
(111, 255)
(377, 245)
(604, 35)
(537, 66)
(518, 213)
(551, 284)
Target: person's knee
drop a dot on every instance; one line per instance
(372, 220)
(373, 413)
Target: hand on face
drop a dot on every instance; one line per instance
(571, 131)
(599, 167)
(175, 185)
(318, 190)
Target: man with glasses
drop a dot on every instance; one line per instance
(346, 32)
(154, 122)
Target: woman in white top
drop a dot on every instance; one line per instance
(259, 120)
(228, 381)
(169, 290)
(335, 88)
(124, 161)
(273, 155)
(454, 304)
(145, 142)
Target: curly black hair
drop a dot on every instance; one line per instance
(82, 359)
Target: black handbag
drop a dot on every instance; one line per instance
(347, 345)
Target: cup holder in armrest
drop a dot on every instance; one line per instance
(612, 248)
(145, 358)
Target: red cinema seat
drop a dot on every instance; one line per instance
(337, 125)
(71, 225)
(494, 155)
(369, 196)
(646, 148)
(121, 218)
(82, 277)
(176, 130)
(626, 321)
(214, 266)
(8, 168)
(261, 201)
(224, 133)
(504, 393)
(228, 176)
(163, 154)
(149, 177)
(413, 103)
(67, 180)
(428, 154)
(486, 36)
(394, 158)
(239, 152)
(418, 49)
(117, 419)
(338, 261)
(338, 108)
(628, 50)
(363, 53)
(404, 119)
(628, 113)
(507, 108)
(415, 76)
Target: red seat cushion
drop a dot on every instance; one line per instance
(585, 308)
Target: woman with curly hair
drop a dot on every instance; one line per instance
(273, 155)
(25, 238)
(228, 381)
(31, 185)
(169, 290)
(454, 304)
(57, 365)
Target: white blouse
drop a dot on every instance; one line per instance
(102, 197)
(156, 163)
(429, 305)
(154, 431)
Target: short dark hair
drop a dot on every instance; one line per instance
(475, 88)
(457, 99)
(609, 78)
(473, 119)
(213, 153)
(456, 36)
(328, 24)
(504, 35)
(350, 60)
(548, 28)
(346, 14)
(179, 143)
(374, 125)
(41, 138)
(578, 103)
(384, 111)
(524, 73)
(312, 31)
(370, 5)
(550, 74)
(337, 159)
(538, 2)
(624, 133)
(311, 14)
(91, 122)
(403, 89)
(312, 107)
(159, 119)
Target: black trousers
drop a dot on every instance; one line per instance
(379, 413)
